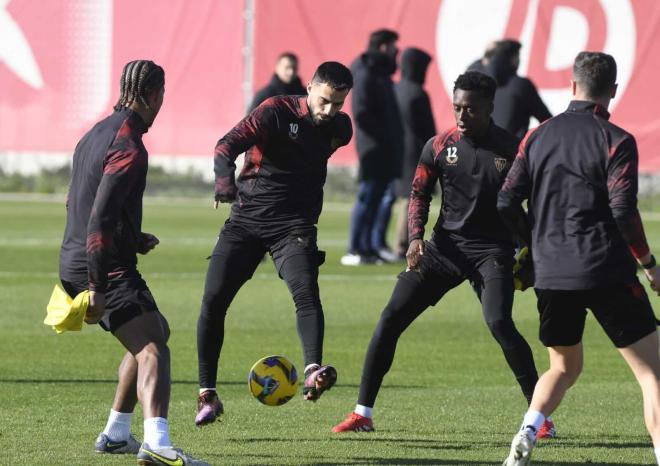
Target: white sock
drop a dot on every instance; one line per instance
(363, 410)
(157, 433)
(118, 427)
(202, 390)
(533, 419)
(309, 366)
(657, 454)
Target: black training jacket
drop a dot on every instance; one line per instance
(578, 172)
(285, 164)
(471, 174)
(104, 203)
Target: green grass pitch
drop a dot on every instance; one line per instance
(448, 400)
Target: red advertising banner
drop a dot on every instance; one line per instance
(60, 60)
(455, 33)
(60, 63)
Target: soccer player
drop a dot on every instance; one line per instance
(102, 237)
(469, 241)
(276, 205)
(579, 174)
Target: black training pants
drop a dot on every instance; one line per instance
(416, 290)
(235, 258)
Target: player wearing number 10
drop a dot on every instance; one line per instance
(276, 205)
(469, 242)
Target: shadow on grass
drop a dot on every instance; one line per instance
(614, 444)
(402, 461)
(440, 445)
(406, 461)
(429, 461)
(589, 462)
(174, 382)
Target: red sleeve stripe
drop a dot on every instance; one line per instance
(98, 240)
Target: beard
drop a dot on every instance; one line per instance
(318, 120)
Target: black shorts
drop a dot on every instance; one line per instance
(624, 313)
(125, 299)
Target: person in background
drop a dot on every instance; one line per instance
(481, 64)
(285, 81)
(516, 98)
(379, 140)
(418, 127)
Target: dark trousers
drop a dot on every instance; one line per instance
(416, 290)
(235, 258)
(383, 216)
(370, 217)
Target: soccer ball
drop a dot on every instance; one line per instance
(273, 380)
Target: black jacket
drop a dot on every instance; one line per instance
(416, 114)
(579, 174)
(378, 130)
(104, 204)
(286, 158)
(471, 173)
(516, 98)
(277, 87)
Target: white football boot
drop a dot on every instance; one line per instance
(521, 449)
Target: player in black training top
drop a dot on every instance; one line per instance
(469, 241)
(578, 172)
(276, 205)
(102, 238)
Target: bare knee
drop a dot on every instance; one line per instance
(154, 351)
(568, 370)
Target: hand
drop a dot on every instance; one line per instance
(96, 307)
(653, 276)
(414, 254)
(147, 243)
(225, 190)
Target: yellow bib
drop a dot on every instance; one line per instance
(64, 313)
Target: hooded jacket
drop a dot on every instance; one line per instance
(379, 134)
(516, 98)
(277, 87)
(416, 114)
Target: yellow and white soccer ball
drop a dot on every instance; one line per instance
(273, 380)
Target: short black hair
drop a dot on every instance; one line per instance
(380, 37)
(595, 72)
(476, 81)
(334, 74)
(288, 55)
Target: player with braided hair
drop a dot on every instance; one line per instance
(102, 238)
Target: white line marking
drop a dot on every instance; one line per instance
(200, 275)
(161, 200)
(164, 242)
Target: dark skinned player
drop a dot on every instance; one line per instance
(469, 242)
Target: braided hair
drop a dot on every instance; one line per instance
(139, 78)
